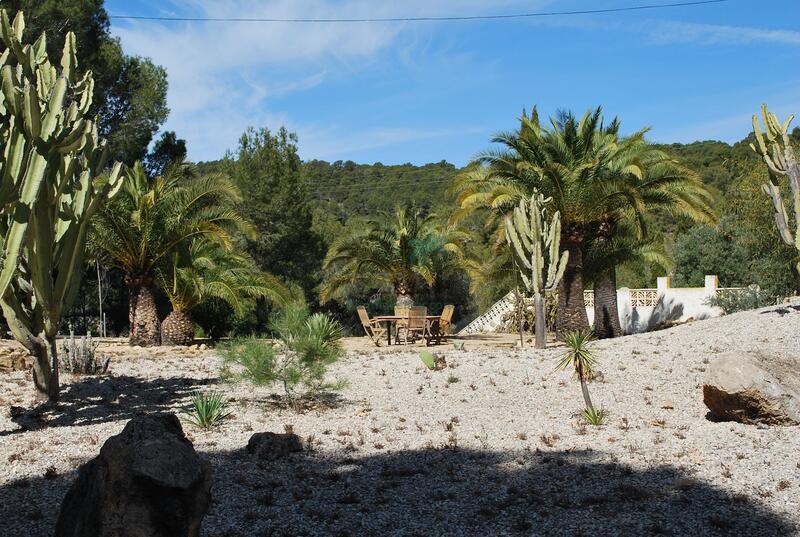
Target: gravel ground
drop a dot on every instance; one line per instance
(491, 445)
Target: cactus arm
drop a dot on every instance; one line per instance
(781, 160)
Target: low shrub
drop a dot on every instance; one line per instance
(306, 345)
(734, 300)
(78, 356)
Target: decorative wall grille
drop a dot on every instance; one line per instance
(644, 297)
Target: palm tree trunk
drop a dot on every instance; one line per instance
(177, 329)
(404, 293)
(586, 399)
(142, 314)
(606, 313)
(571, 314)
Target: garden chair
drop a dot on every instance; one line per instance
(373, 329)
(417, 325)
(400, 311)
(441, 327)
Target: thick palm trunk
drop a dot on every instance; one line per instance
(606, 312)
(177, 329)
(571, 314)
(404, 293)
(142, 314)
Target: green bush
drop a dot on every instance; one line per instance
(731, 301)
(306, 345)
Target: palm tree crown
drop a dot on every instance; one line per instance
(396, 251)
(596, 179)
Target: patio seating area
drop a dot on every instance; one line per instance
(408, 325)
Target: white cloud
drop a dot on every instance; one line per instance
(222, 75)
(684, 32)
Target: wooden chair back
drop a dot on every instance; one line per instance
(364, 318)
(416, 317)
(401, 311)
(447, 314)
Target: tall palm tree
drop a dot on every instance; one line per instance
(150, 220)
(396, 251)
(203, 271)
(594, 176)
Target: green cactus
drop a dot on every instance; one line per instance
(534, 242)
(779, 154)
(53, 178)
(428, 359)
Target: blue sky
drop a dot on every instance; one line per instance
(425, 92)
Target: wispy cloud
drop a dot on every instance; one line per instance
(215, 68)
(684, 32)
(336, 141)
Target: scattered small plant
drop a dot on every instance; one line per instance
(582, 358)
(79, 356)
(207, 410)
(433, 362)
(307, 345)
(594, 416)
(459, 345)
(452, 379)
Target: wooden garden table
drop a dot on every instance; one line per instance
(392, 320)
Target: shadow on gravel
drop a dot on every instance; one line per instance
(107, 398)
(437, 492)
(458, 493)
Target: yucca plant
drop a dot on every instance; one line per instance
(582, 358)
(207, 410)
(595, 416)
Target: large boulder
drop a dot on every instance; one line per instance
(751, 388)
(271, 446)
(147, 481)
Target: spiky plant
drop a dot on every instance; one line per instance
(581, 358)
(207, 409)
(54, 177)
(595, 416)
(775, 147)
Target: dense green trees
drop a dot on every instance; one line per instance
(130, 94)
(267, 170)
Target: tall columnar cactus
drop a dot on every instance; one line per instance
(51, 184)
(535, 242)
(779, 154)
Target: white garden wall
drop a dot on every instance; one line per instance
(639, 309)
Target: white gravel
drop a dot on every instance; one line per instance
(492, 445)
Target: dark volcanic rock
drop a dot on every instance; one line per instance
(148, 481)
